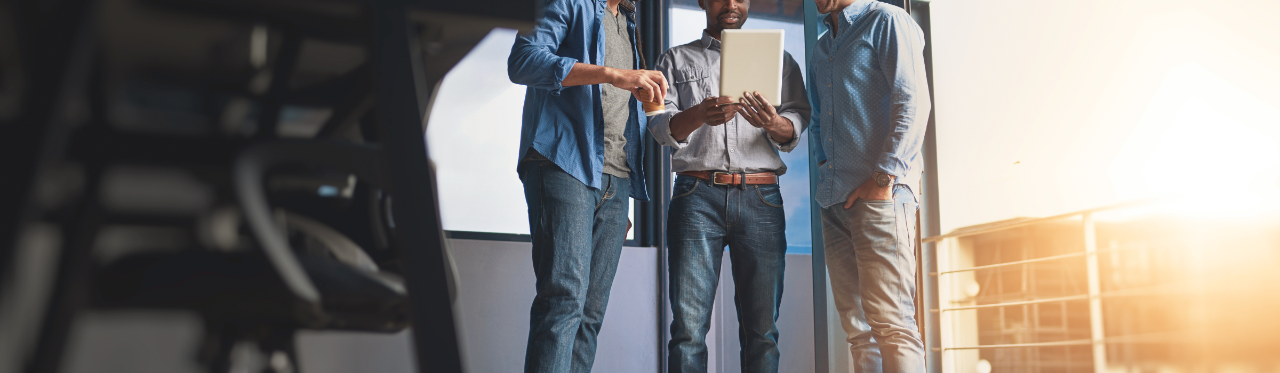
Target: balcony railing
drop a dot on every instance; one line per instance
(951, 289)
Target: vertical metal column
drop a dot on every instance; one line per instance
(1095, 295)
(944, 251)
(57, 63)
(57, 42)
(420, 239)
(665, 316)
(821, 329)
(930, 218)
(652, 21)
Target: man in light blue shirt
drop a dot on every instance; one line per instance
(580, 153)
(870, 110)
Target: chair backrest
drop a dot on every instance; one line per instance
(364, 161)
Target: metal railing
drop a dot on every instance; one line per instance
(947, 244)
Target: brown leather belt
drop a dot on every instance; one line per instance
(729, 178)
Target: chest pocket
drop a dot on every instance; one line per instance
(692, 85)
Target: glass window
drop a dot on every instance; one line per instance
(1039, 116)
(474, 140)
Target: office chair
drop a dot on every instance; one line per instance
(142, 136)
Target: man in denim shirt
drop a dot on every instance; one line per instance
(726, 193)
(870, 109)
(580, 153)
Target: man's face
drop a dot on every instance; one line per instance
(725, 14)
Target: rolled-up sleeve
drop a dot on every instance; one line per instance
(660, 123)
(900, 48)
(795, 103)
(533, 61)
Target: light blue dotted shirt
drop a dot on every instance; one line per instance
(870, 100)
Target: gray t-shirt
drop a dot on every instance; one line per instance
(615, 101)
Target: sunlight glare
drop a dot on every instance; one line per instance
(1203, 140)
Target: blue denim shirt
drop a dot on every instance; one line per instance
(870, 100)
(566, 124)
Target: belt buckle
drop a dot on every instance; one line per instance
(718, 173)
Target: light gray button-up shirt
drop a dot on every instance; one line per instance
(693, 74)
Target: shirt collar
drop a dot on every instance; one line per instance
(604, 6)
(709, 42)
(851, 12)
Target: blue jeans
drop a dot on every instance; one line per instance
(702, 219)
(578, 233)
(870, 250)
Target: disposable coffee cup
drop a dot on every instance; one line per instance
(651, 108)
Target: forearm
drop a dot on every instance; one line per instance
(910, 107)
(586, 74)
(794, 108)
(903, 143)
(684, 123)
(902, 61)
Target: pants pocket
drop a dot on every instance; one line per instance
(684, 187)
(769, 194)
(877, 210)
(908, 217)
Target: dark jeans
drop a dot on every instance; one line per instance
(577, 238)
(703, 218)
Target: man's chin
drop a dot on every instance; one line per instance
(731, 26)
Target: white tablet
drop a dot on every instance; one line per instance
(751, 60)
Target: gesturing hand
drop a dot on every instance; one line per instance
(757, 111)
(715, 111)
(646, 85)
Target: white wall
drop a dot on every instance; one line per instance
(795, 320)
(492, 311)
(497, 286)
(496, 279)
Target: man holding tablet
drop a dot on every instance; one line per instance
(726, 193)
